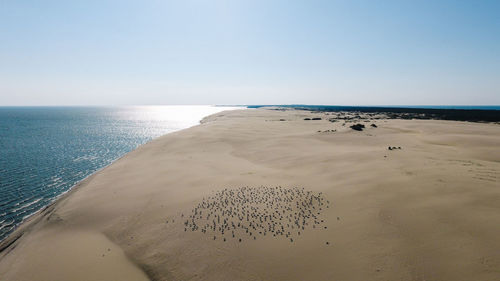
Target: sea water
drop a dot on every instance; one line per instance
(44, 151)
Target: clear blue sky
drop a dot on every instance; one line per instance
(249, 52)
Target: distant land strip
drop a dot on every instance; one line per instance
(470, 115)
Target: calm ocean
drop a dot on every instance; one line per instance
(44, 151)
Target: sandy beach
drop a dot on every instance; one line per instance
(314, 200)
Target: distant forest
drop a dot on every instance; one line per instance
(472, 115)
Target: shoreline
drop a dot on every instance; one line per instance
(394, 214)
(25, 225)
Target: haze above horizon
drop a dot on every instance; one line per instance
(249, 52)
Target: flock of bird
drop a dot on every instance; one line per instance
(250, 212)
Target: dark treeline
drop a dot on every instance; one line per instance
(472, 115)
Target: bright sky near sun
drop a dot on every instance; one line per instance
(249, 52)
